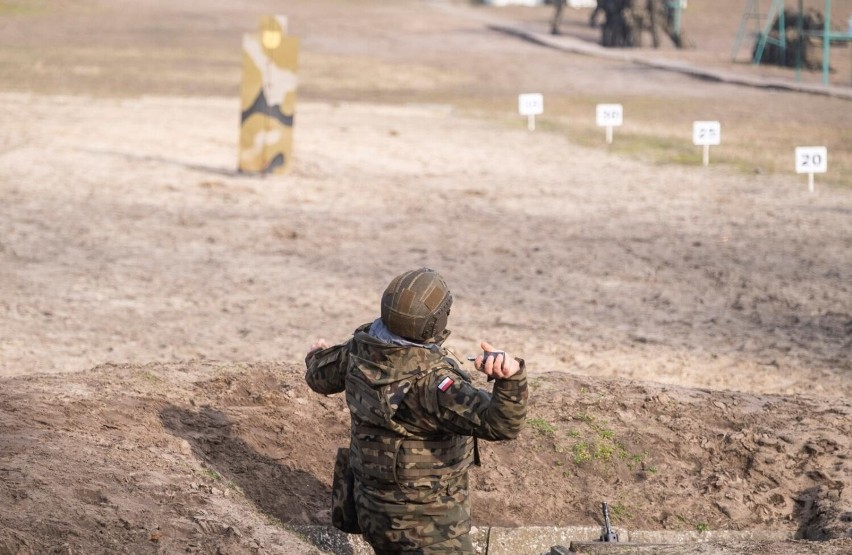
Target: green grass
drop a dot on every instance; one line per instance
(235, 487)
(658, 130)
(20, 7)
(584, 417)
(619, 512)
(594, 443)
(701, 527)
(605, 434)
(603, 452)
(542, 426)
(581, 453)
(633, 459)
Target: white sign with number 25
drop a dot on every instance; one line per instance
(706, 133)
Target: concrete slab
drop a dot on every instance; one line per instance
(577, 46)
(601, 548)
(534, 540)
(679, 537)
(332, 540)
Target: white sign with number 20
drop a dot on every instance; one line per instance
(811, 159)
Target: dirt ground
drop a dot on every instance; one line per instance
(688, 329)
(203, 456)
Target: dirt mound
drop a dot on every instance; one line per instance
(207, 456)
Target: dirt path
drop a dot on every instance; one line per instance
(120, 246)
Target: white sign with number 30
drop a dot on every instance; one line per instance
(811, 159)
(609, 115)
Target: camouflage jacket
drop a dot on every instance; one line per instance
(413, 414)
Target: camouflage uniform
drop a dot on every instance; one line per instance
(414, 417)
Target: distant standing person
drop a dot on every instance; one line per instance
(559, 8)
(599, 9)
(559, 5)
(415, 421)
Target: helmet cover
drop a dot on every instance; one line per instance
(416, 305)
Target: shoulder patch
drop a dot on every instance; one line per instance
(446, 383)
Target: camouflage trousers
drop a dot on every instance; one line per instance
(431, 520)
(461, 545)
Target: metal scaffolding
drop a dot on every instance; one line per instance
(764, 26)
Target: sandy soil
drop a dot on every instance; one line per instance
(689, 328)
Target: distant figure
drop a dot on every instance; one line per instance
(560, 8)
(627, 20)
(670, 9)
(663, 13)
(557, 16)
(615, 31)
(599, 9)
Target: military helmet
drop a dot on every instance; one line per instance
(416, 304)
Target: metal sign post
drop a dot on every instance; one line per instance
(826, 43)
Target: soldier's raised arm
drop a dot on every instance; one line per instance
(327, 367)
(462, 408)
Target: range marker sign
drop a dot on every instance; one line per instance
(811, 160)
(609, 116)
(530, 105)
(706, 134)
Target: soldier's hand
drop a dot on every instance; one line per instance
(318, 344)
(501, 366)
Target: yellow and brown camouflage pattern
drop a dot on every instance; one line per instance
(411, 443)
(268, 97)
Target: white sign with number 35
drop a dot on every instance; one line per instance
(811, 159)
(530, 104)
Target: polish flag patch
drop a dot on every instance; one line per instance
(445, 384)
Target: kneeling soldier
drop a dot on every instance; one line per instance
(415, 419)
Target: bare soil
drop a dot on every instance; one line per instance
(688, 329)
(203, 456)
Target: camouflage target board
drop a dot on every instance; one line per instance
(268, 97)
